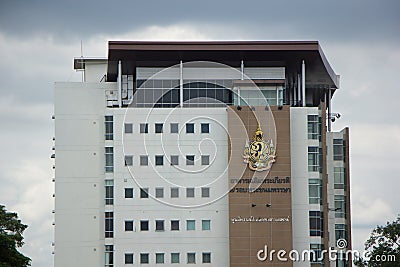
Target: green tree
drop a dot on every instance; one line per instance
(383, 246)
(11, 238)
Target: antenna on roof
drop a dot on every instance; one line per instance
(83, 72)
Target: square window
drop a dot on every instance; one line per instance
(205, 192)
(159, 257)
(174, 127)
(189, 192)
(190, 225)
(206, 257)
(128, 258)
(128, 225)
(175, 225)
(174, 160)
(159, 225)
(144, 160)
(144, 225)
(205, 225)
(174, 192)
(191, 257)
(159, 160)
(144, 258)
(205, 128)
(158, 128)
(128, 192)
(128, 127)
(205, 160)
(128, 160)
(144, 128)
(190, 160)
(159, 192)
(189, 127)
(174, 257)
(144, 193)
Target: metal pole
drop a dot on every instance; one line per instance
(119, 83)
(181, 85)
(303, 83)
(329, 110)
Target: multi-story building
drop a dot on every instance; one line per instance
(200, 154)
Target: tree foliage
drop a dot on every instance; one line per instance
(11, 230)
(383, 246)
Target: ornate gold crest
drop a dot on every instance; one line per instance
(259, 154)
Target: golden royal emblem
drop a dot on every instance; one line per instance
(259, 154)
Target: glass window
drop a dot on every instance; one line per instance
(174, 160)
(174, 192)
(174, 127)
(144, 193)
(313, 127)
(191, 257)
(315, 191)
(144, 258)
(205, 160)
(144, 225)
(205, 225)
(190, 225)
(109, 159)
(159, 225)
(159, 257)
(189, 127)
(340, 231)
(109, 188)
(174, 225)
(159, 192)
(128, 160)
(340, 206)
(338, 149)
(205, 192)
(128, 225)
(144, 160)
(109, 224)
(159, 160)
(175, 257)
(109, 255)
(317, 256)
(316, 219)
(190, 160)
(144, 128)
(128, 192)
(128, 128)
(205, 128)
(313, 159)
(189, 192)
(128, 258)
(339, 177)
(206, 257)
(108, 123)
(158, 127)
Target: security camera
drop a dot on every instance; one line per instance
(338, 115)
(333, 119)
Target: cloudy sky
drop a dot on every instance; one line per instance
(38, 40)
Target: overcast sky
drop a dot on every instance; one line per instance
(38, 40)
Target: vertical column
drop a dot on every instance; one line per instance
(303, 83)
(119, 83)
(181, 85)
(328, 101)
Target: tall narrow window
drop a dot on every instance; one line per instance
(109, 188)
(313, 127)
(338, 150)
(340, 231)
(313, 159)
(340, 206)
(108, 123)
(109, 224)
(315, 191)
(339, 177)
(109, 256)
(109, 159)
(316, 219)
(318, 256)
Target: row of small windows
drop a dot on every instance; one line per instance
(173, 128)
(160, 258)
(159, 160)
(174, 192)
(159, 226)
